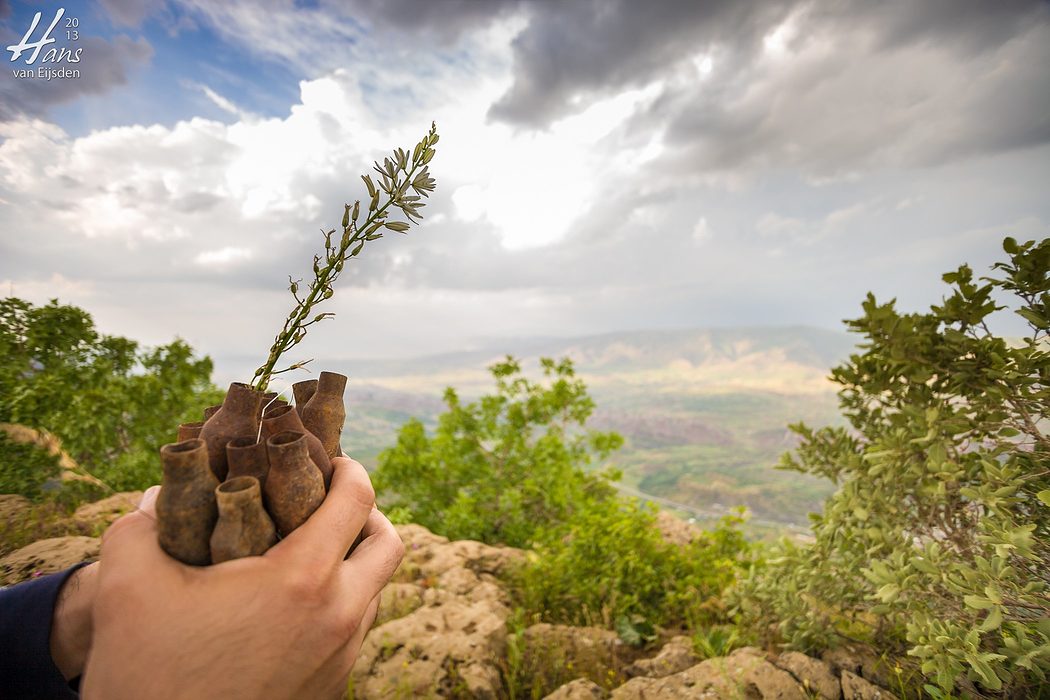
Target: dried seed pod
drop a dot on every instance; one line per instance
(186, 509)
(294, 488)
(325, 413)
(284, 419)
(243, 529)
(274, 405)
(247, 457)
(302, 391)
(238, 416)
(189, 431)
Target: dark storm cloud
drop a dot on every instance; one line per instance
(572, 51)
(579, 50)
(103, 66)
(447, 18)
(852, 97)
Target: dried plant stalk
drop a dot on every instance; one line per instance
(404, 179)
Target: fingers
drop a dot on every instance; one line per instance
(374, 561)
(332, 528)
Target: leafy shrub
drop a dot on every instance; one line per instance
(609, 565)
(504, 468)
(510, 468)
(112, 403)
(936, 541)
(715, 641)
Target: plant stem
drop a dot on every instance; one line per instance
(296, 323)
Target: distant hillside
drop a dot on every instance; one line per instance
(704, 412)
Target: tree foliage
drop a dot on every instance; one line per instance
(513, 468)
(110, 401)
(503, 468)
(937, 538)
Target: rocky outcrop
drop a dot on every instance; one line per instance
(442, 631)
(14, 508)
(398, 600)
(451, 640)
(815, 676)
(859, 661)
(579, 689)
(555, 654)
(675, 530)
(856, 688)
(744, 673)
(99, 515)
(675, 656)
(47, 557)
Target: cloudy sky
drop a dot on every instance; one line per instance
(604, 164)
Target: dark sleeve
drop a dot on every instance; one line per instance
(26, 668)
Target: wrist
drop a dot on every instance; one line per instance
(71, 624)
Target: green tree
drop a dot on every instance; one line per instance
(110, 401)
(512, 468)
(936, 541)
(505, 467)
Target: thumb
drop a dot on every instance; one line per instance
(134, 536)
(148, 502)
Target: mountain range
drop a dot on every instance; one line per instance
(704, 412)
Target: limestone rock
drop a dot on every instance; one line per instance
(437, 650)
(428, 556)
(861, 661)
(579, 689)
(744, 673)
(856, 688)
(675, 530)
(677, 655)
(398, 600)
(442, 625)
(47, 557)
(556, 654)
(815, 676)
(101, 514)
(14, 507)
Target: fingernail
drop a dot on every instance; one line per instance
(149, 498)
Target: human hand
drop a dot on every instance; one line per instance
(288, 624)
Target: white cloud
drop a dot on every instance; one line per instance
(224, 103)
(223, 257)
(588, 225)
(701, 230)
(55, 286)
(809, 231)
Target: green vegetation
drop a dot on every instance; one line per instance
(511, 468)
(703, 413)
(933, 548)
(505, 468)
(936, 541)
(608, 565)
(110, 402)
(25, 469)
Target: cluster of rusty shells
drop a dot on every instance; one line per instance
(252, 471)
